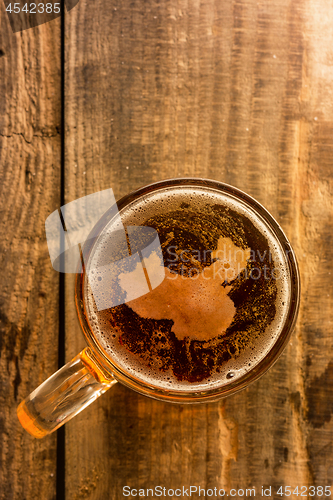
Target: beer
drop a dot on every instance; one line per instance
(222, 303)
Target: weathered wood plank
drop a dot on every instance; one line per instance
(239, 92)
(30, 190)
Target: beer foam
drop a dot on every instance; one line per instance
(194, 292)
(187, 299)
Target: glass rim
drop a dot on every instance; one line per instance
(226, 388)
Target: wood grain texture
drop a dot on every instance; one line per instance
(30, 190)
(238, 91)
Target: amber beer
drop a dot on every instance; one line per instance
(187, 291)
(224, 304)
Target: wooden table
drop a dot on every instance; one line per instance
(234, 90)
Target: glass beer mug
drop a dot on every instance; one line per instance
(187, 290)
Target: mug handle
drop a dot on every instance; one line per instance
(63, 395)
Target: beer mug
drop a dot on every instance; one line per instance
(187, 290)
